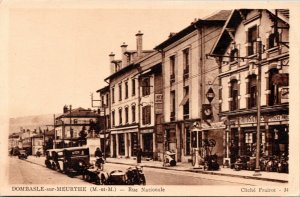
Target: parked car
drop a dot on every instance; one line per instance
(76, 160)
(22, 154)
(54, 159)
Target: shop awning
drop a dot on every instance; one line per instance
(185, 100)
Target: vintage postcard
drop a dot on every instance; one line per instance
(138, 98)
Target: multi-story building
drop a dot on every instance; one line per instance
(104, 108)
(124, 98)
(188, 76)
(13, 140)
(70, 126)
(244, 67)
(151, 105)
(37, 142)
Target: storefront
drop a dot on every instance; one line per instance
(124, 143)
(148, 142)
(241, 135)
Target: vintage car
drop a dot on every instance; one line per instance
(22, 154)
(54, 159)
(76, 160)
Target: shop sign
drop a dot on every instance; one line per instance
(158, 98)
(146, 131)
(284, 94)
(213, 125)
(250, 119)
(279, 118)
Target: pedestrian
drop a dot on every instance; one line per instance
(139, 155)
(98, 153)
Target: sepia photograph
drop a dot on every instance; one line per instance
(162, 98)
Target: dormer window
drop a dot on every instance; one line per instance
(233, 54)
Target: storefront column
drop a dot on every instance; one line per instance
(117, 145)
(129, 144)
(267, 152)
(111, 146)
(141, 141)
(154, 143)
(240, 140)
(126, 144)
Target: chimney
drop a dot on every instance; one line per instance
(139, 43)
(112, 65)
(124, 57)
(65, 110)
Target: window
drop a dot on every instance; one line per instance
(185, 103)
(113, 118)
(186, 63)
(120, 116)
(126, 115)
(272, 41)
(252, 90)
(102, 100)
(172, 69)
(113, 94)
(146, 86)
(273, 87)
(133, 113)
(120, 91)
(146, 112)
(233, 54)
(172, 105)
(133, 86)
(234, 94)
(252, 37)
(126, 89)
(75, 121)
(106, 99)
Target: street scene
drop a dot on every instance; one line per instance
(205, 105)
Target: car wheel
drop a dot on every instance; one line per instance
(142, 179)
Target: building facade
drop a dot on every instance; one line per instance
(187, 77)
(242, 62)
(74, 126)
(124, 100)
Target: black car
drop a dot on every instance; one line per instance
(76, 160)
(54, 159)
(22, 154)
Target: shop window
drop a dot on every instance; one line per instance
(133, 113)
(146, 86)
(234, 95)
(126, 89)
(252, 89)
(187, 142)
(252, 37)
(121, 144)
(133, 86)
(146, 112)
(233, 54)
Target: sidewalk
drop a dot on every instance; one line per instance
(266, 176)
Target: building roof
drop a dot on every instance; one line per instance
(103, 90)
(220, 17)
(232, 22)
(79, 112)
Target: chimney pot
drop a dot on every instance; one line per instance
(124, 57)
(112, 65)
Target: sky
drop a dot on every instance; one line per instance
(59, 56)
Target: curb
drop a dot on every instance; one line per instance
(208, 172)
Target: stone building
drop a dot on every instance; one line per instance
(187, 77)
(237, 53)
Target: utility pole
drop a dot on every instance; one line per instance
(259, 54)
(54, 145)
(71, 130)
